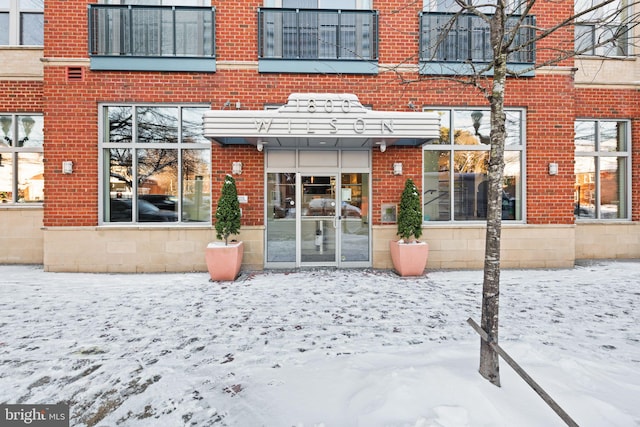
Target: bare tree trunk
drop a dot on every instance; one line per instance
(489, 362)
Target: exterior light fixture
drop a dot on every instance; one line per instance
(67, 167)
(383, 147)
(397, 168)
(236, 168)
(260, 145)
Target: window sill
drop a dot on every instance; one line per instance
(14, 206)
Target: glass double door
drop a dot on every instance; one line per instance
(318, 219)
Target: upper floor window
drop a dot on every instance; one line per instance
(603, 31)
(21, 158)
(456, 167)
(602, 168)
(156, 164)
(22, 22)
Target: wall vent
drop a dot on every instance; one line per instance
(75, 74)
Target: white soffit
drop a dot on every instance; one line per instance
(318, 120)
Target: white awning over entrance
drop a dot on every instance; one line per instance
(318, 120)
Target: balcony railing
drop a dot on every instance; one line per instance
(151, 31)
(317, 35)
(447, 39)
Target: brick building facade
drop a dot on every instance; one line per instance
(99, 107)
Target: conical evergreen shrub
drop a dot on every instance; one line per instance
(228, 211)
(410, 215)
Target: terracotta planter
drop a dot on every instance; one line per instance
(223, 262)
(409, 259)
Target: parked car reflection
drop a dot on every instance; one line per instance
(121, 212)
(161, 201)
(324, 207)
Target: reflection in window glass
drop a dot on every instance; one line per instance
(612, 188)
(157, 185)
(612, 136)
(471, 127)
(585, 136)
(281, 217)
(157, 124)
(30, 177)
(148, 182)
(470, 185)
(119, 126)
(30, 131)
(455, 180)
(585, 187)
(120, 183)
(196, 186)
(31, 4)
(436, 200)
(21, 158)
(192, 125)
(32, 29)
(6, 123)
(4, 23)
(6, 178)
(601, 169)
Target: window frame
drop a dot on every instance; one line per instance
(14, 150)
(598, 154)
(593, 25)
(134, 145)
(15, 22)
(451, 147)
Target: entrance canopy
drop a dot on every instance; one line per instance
(318, 120)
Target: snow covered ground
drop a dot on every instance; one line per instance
(320, 348)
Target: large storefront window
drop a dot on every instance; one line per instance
(456, 165)
(21, 158)
(156, 164)
(602, 150)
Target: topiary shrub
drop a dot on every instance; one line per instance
(228, 211)
(410, 215)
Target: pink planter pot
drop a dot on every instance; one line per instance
(223, 262)
(409, 259)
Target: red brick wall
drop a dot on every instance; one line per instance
(71, 123)
(21, 96)
(65, 29)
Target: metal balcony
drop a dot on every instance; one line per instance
(163, 38)
(317, 40)
(460, 44)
